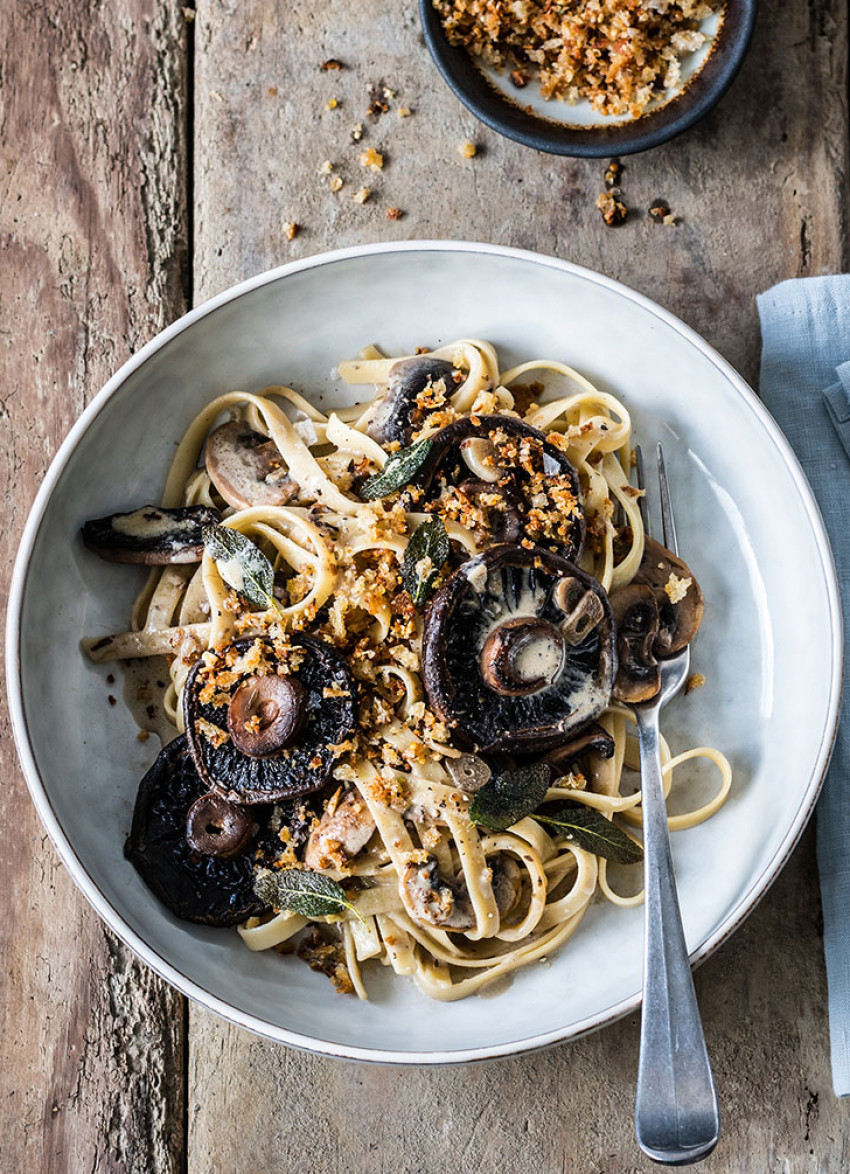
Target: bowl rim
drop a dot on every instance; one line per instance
(574, 140)
(75, 865)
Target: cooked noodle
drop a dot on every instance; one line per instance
(339, 559)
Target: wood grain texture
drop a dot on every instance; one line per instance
(93, 241)
(760, 190)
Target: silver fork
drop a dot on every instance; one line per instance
(677, 1117)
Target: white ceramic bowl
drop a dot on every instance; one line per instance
(747, 522)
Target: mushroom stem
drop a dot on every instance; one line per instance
(265, 714)
(522, 656)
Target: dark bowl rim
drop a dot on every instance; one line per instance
(555, 138)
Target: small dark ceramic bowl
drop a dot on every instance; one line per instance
(609, 137)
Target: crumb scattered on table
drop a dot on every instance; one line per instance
(362, 195)
(613, 174)
(659, 211)
(468, 150)
(371, 158)
(614, 211)
(394, 213)
(291, 229)
(331, 64)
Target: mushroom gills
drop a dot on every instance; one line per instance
(196, 886)
(636, 623)
(151, 535)
(280, 743)
(246, 467)
(497, 665)
(520, 482)
(398, 414)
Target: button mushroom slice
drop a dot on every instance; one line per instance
(217, 828)
(341, 833)
(246, 467)
(432, 900)
(496, 666)
(594, 740)
(469, 773)
(305, 718)
(398, 414)
(537, 479)
(636, 622)
(582, 608)
(677, 593)
(196, 885)
(266, 714)
(151, 535)
(522, 656)
(479, 455)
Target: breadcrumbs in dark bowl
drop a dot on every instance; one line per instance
(588, 77)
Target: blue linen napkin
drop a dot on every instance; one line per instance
(805, 384)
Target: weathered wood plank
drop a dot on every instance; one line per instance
(760, 189)
(92, 217)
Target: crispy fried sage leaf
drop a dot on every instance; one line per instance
(428, 542)
(300, 890)
(510, 796)
(399, 470)
(242, 565)
(590, 830)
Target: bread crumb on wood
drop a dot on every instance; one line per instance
(362, 195)
(371, 158)
(468, 150)
(291, 229)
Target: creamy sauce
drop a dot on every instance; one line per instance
(143, 695)
(540, 657)
(148, 523)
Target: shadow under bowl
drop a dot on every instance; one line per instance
(510, 118)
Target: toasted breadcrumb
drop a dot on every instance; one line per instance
(694, 681)
(468, 150)
(371, 158)
(394, 213)
(291, 229)
(676, 589)
(362, 195)
(618, 55)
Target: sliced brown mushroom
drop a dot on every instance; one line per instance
(398, 415)
(212, 888)
(246, 467)
(636, 620)
(266, 714)
(469, 772)
(497, 666)
(431, 900)
(341, 834)
(677, 593)
(306, 718)
(218, 828)
(151, 535)
(527, 487)
(593, 740)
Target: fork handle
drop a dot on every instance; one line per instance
(677, 1117)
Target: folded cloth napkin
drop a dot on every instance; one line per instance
(805, 384)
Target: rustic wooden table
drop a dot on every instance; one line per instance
(153, 155)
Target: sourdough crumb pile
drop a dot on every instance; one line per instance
(619, 54)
